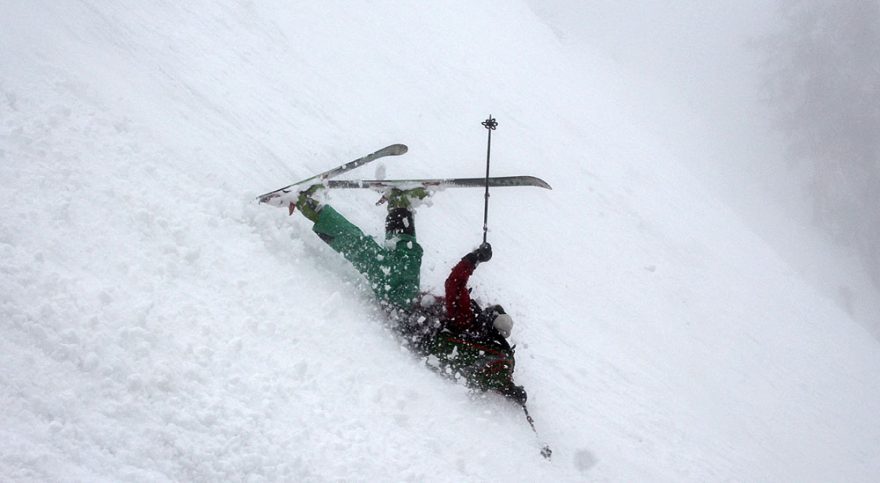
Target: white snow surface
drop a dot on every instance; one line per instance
(159, 324)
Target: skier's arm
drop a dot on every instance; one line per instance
(458, 300)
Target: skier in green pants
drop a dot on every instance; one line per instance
(458, 337)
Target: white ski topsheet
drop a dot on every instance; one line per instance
(157, 323)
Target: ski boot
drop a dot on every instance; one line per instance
(309, 206)
(397, 198)
(399, 220)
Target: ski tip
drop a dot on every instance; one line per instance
(276, 198)
(395, 150)
(539, 183)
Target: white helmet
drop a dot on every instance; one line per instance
(502, 322)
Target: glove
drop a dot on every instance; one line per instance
(515, 393)
(482, 254)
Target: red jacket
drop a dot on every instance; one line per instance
(458, 300)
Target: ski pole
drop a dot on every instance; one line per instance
(490, 124)
(546, 452)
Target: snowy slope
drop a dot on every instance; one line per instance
(157, 324)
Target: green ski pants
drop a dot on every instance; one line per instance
(392, 269)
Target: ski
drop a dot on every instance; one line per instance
(381, 185)
(277, 197)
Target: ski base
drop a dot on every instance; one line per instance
(382, 185)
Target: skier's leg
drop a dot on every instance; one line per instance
(392, 270)
(371, 259)
(405, 256)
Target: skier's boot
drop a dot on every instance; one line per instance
(309, 206)
(400, 217)
(398, 198)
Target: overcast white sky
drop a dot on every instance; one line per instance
(699, 68)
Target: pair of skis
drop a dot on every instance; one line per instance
(285, 197)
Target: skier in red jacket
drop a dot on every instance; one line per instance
(473, 340)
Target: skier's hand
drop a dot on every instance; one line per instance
(483, 253)
(515, 393)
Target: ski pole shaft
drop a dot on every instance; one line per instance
(490, 124)
(529, 418)
(546, 452)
